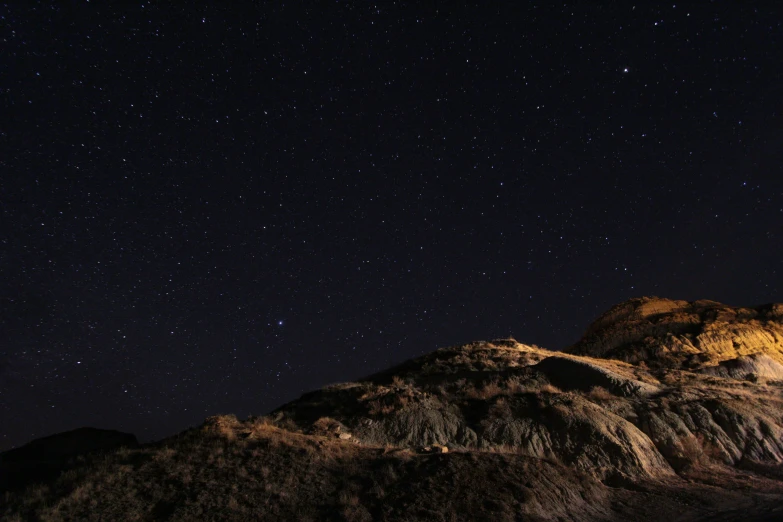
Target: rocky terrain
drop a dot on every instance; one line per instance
(700, 336)
(663, 410)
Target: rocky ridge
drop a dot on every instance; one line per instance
(609, 418)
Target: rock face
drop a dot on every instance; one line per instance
(684, 335)
(750, 367)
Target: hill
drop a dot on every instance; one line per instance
(652, 415)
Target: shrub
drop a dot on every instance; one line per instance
(379, 407)
(501, 409)
(691, 450)
(514, 385)
(599, 393)
(489, 390)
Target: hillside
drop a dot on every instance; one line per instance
(663, 410)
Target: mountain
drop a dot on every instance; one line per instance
(664, 410)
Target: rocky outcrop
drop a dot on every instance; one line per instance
(726, 430)
(681, 334)
(750, 367)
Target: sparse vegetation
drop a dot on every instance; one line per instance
(599, 393)
(548, 388)
(235, 470)
(487, 391)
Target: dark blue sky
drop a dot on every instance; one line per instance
(212, 210)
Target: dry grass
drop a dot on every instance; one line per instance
(514, 385)
(501, 409)
(697, 450)
(379, 408)
(388, 405)
(488, 391)
(481, 356)
(507, 449)
(550, 388)
(382, 400)
(326, 425)
(508, 386)
(691, 450)
(599, 393)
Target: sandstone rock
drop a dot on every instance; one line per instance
(748, 367)
(681, 334)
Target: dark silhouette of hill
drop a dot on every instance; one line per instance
(44, 459)
(664, 410)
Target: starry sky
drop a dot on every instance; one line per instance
(214, 209)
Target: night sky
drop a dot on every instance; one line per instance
(213, 210)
